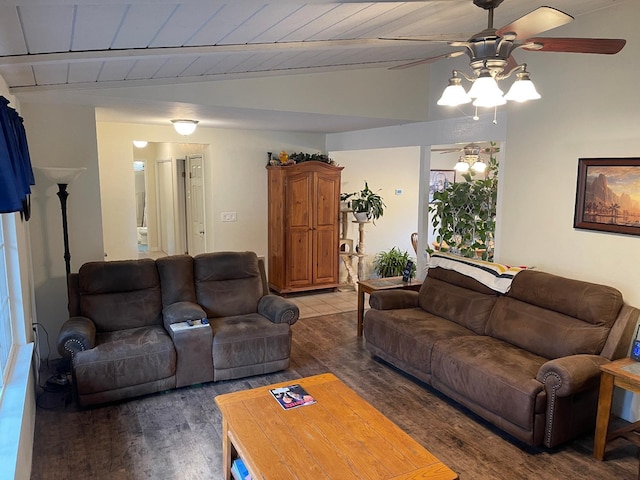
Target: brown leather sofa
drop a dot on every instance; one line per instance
(129, 331)
(526, 361)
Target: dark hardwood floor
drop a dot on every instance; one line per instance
(176, 434)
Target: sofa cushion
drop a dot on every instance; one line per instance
(554, 316)
(544, 332)
(590, 302)
(493, 374)
(409, 334)
(251, 339)
(228, 283)
(125, 358)
(176, 278)
(468, 308)
(120, 294)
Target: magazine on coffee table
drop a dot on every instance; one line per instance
(292, 396)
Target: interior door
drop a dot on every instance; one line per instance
(166, 215)
(195, 205)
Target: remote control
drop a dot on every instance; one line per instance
(190, 323)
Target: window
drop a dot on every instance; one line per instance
(6, 335)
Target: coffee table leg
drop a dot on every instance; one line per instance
(360, 308)
(226, 451)
(604, 411)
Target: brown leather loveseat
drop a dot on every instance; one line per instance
(129, 330)
(526, 361)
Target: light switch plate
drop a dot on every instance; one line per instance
(228, 216)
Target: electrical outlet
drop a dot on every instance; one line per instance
(229, 217)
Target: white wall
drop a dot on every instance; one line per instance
(235, 180)
(57, 143)
(385, 170)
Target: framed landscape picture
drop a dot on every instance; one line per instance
(608, 195)
(439, 180)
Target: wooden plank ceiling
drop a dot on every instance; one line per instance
(71, 43)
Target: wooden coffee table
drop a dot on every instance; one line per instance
(339, 437)
(389, 283)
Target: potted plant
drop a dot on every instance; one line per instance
(366, 204)
(464, 214)
(392, 263)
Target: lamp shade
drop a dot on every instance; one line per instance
(485, 90)
(454, 94)
(184, 127)
(461, 166)
(479, 166)
(63, 175)
(522, 89)
(140, 143)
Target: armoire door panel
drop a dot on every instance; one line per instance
(326, 260)
(299, 257)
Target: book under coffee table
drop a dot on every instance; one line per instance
(340, 436)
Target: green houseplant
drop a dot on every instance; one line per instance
(366, 202)
(464, 214)
(391, 263)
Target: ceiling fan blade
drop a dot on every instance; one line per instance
(540, 20)
(443, 38)
(607, 46)
(428, 60)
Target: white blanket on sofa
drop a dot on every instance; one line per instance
(496, 276)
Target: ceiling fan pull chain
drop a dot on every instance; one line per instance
(475, 115)
(495, 115)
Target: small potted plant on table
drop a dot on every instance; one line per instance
(366, 204)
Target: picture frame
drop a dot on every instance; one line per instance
(439, 180)
(608, 195)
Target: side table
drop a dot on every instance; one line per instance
(389, 283)
(613, 375)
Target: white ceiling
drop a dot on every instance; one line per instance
(86, 44)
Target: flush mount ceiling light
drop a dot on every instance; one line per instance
(184, 127)
(140, 143)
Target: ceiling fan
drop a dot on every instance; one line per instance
(490, 53)
(470, 156)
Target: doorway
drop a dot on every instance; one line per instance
(170, 199)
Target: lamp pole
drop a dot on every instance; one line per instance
(62, 195)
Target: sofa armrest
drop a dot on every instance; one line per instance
(568, 375)
(76, 335)
(278, 309)
(393, 299)
(181, 312)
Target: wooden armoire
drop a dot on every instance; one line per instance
(304, 204)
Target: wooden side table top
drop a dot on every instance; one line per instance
(613, 375)
(388, 283)
(341, 436)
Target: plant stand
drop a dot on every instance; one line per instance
(347, 251)
(360, 249)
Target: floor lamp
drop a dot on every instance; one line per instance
(63, 177)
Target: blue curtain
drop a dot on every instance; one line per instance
(16, 174)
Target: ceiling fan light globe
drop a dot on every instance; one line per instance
(489, 101)
(479, 167)
(453, 96)
(522, 90)
(461, 167)
(484, 86)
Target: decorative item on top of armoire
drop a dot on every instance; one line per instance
(303, 206)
